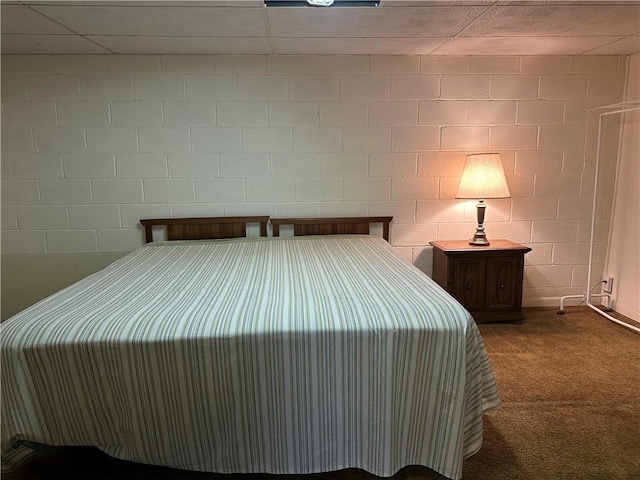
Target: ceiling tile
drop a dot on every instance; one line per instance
(521, 45)
(161, 21)
(370, 22)
(344, 46)
(538, 21)
(20, 19)
(48, 44)
(186, 45)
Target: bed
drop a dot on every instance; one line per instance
(286, 355)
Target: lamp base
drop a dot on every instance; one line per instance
(480, 240)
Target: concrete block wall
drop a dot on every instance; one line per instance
(93, 143)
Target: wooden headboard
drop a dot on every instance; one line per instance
(202, 228)
(331, 225)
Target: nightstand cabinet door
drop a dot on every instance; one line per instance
(486, 280)
(468, 282)
(502, 283)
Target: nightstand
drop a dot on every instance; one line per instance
(486, 280)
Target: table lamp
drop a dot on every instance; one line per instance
(482, 177)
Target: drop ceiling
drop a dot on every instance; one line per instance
(427, 27)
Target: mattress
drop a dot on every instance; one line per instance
(274, 355)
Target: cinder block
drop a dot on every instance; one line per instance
(344, 114)
(366, 139)
(263, 88)
(163, 139)
(440, 164)
(445, 64)
(29, 114)
(440, 211)
(212, 87)
(545, 64)
(558, 185)
(42, 217)
(141, 165)
(567, 137)
(119, 240)
(293, 114)
(393, 164)
(194, 165)
(71, 241)
(134, 63)
(494, 64)
(365, 87)
(136, 114)
(314, 88)
(16, 140)
(36, 165)
(65, 192)
(402, 211)
(292, 64)
(492, 112)
(407, 139)
(240, 63)
(267, 140)
(513, 137)
(9, 217)
(554, 232)
(117, 191)
(242, 114)
(534, 209)
(83, 114)
(514, 87)
(187, 63)
(79, 63)
(394, 113)
(112, 140)
(27, 64)
(344, 209)
(14, 87)
(606, 87)
(534, 161)
(23, 241)
(189, 113)
(159, 87)
(464, 138)
(317, 140)
(89, 165)
(295, 165)
(414, 188)
(244, 166)
(594, 63)
(270, 190)
(318, 189)
(216, 140)
(395, 64)
(113, 86)
(130, 215)
(563, 87)
(169, 190)
(354, 164)
(59, 140)
(444, 112)
(540, 112)
(20, 192)
(221, 190)
(53, 87)
(464, 86)
(364, 189)
(87, 217)
(343, 63)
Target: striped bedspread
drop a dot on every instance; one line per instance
(279, 355)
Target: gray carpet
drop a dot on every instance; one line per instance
(570, 387)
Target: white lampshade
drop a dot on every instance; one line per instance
(483, 177)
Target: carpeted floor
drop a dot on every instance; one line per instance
(570, 387)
